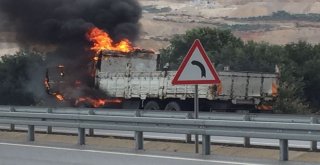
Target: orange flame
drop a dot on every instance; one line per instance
(46, 83)
(96, 102)
(102, 41)
(95, 58)
(59, 97)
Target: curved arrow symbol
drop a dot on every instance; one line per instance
(200, 65)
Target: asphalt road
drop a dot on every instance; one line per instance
(18, 154)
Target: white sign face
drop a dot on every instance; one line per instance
(196, 68)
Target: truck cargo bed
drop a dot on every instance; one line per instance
(238, 87)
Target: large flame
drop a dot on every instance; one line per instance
(102, 41)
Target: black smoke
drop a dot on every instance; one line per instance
(63, 24)
(66, 21)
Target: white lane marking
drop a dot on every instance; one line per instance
(130, 154)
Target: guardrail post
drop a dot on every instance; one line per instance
(49, 129)
(81, 136)
(188, 136)
(206, 144)
(30, 133)
(91, 130)
(284, 150)
(246, 140)
(12, 127)
(313, 144)
(138, 135)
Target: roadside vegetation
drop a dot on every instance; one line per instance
(247, 27)
(154, 9)
(17, 78)
(283, 15)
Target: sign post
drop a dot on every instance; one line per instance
(196, 68)
(196, 115)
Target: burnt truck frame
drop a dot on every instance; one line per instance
(135, 79)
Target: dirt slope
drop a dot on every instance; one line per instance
(158, 27)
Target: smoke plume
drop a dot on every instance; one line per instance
(66, 21)
(63, 24)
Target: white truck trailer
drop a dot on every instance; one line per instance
(133, 77)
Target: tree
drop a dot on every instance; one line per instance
(18, 72)
(258, 57)
(213, 40)
(224, 49)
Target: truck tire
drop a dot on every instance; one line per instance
(172, 106)
(152, 105)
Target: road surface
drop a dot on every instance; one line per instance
(26, 154)
(42, 155)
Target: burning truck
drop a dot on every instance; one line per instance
(130, 78)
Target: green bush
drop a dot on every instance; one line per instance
(18, 72)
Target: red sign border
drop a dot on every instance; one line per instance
(196, 44)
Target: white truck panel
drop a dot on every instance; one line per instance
(142, 62)
(143, 85)
(135, 76)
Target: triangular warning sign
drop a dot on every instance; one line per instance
(196, 68)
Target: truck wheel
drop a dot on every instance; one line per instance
(152, 105)
(172, 106)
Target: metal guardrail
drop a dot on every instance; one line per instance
(282, 127)
(172, 114)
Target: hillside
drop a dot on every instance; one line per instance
(164, 18)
